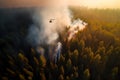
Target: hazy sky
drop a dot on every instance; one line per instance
(88, 3)
(97, 3)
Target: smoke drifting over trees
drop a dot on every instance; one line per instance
(40, 32)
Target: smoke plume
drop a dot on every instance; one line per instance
(45, 32)
(77, 25)
(49, 22)
(45, 25)
(58, 51)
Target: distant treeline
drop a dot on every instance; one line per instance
(108, 19)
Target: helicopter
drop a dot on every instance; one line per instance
(51, 20)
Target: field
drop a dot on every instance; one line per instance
(93, 54)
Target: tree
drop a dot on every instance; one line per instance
(68, 66)
(76, 75)
(115, 73)
(81, 45)
(29, 73)
(23, 58)
(21, 77)
(67, 78)
(61, 77)
(97, 58)
(75, 57)
(88, 51)
(62, 60)
(42, 75)
(36, 61)
(42, 61)
(74, 45)
(61, 70)
(86, 74)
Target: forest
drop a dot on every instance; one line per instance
(93, 54)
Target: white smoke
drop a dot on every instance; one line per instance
(57, 52)
(47, 32)
(77, 25)
(49, 21)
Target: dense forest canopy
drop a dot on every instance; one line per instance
(107, 19)
(93, 54)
